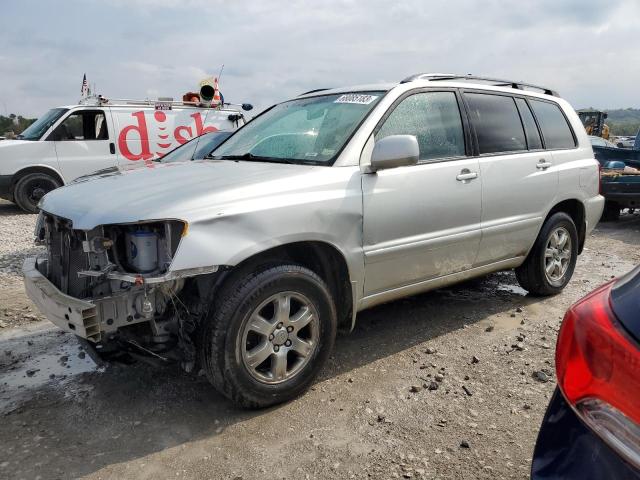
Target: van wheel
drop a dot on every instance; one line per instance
(269, 335)
(31, 188)
(611, 212)
(551, 262)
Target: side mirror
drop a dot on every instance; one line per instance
(395, 151)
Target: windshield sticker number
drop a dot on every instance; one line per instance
(356, 98)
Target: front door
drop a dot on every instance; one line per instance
(84, 143)
(422, 221)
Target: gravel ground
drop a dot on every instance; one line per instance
(16, 242)
(452, 384)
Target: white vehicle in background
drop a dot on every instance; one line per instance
(72, 141)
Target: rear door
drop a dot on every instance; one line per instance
(84, 142)
(519, 181)
(422, 221)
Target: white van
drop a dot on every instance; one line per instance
(68, 142)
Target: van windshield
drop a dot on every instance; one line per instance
(40, 126)
(306, 131)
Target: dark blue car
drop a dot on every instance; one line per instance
(592, 427)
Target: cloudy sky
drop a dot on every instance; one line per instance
(272, 50)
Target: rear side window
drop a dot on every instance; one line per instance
(434, 119)
(534, 142)
(496, 122)
(555, 129)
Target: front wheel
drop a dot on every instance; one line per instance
(31, 188)
(552, 260)
(269, 335)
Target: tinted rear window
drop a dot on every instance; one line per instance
(555, 129)
(531, 129)
(496, 122)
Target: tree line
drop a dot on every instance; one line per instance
(624, 121)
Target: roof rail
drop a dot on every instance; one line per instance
(314, 91)
(434, 77)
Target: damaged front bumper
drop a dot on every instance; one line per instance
(95, 319)
(69, 313)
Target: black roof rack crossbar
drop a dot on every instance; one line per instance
(314, 91)
(434, 77)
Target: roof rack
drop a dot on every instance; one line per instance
(435, 77)
(100, 100)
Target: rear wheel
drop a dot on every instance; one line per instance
(31, 188)
(550, 264)
(269, 336)
(611, 212)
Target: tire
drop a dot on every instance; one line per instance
(228, 341)
(31, 188)
(532, 274)
(611, 212)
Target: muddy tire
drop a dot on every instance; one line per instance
(268, 335)
(611, 212)
(552, 260)
(31, 188)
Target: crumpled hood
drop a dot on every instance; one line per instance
(188, 191)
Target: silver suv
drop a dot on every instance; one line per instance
(245, 264)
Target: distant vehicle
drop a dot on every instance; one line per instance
(593, 122)
(245, 265)
(626, 142)
(592, 426)
(619, 185)
(73, 141)
(197, 149)
(600, 142)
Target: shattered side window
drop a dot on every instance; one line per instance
(434, 119)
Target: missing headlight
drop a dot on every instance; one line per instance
(145, 247)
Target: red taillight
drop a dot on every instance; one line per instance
(599, 178)
(598, 369)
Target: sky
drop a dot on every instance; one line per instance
(588, 50)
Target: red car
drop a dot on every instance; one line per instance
(592, 427)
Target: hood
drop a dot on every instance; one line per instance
(188, 191)
(13, 143)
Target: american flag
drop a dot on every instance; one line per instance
(84, 90)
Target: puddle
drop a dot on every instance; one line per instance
(518, 290)
(35, 360)
(40, 369)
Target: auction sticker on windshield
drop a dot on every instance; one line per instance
(356, 98)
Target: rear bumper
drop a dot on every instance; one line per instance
(5, 187)
(71, 314)
(593, 208)
(623, 198)
(568, 449)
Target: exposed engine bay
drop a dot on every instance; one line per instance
(123, 270)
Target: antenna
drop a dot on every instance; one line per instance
(220, 74)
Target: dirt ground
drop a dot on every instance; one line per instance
(61, 416)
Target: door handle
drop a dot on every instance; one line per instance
(112, 148)
(543, 164)
(466, 174)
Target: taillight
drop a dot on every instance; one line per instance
(598, 370)
(599, 178)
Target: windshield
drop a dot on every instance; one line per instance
(40, 126)
(307, 131)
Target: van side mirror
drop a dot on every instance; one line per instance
(395, 151)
